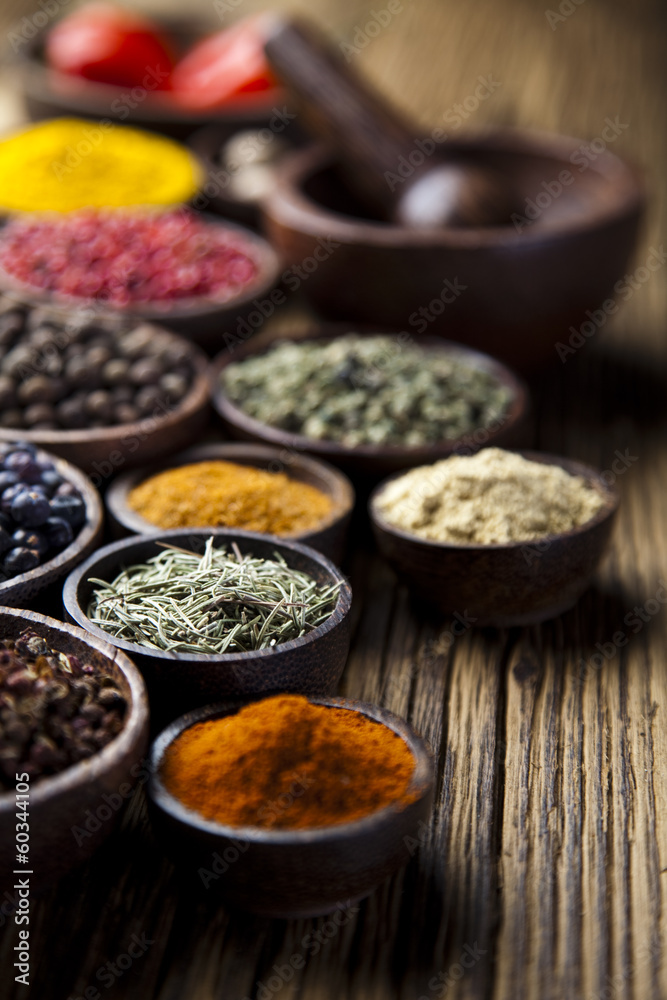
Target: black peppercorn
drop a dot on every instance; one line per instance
(11, 418)
(173, 386)
(98, 404)
(146, 371)
(39, 413)
(60, 376)
(98, 355)
(7, 392)
(18, 362)
(149, 398)
(77, 371)
(71, 412)
(115, 372)
(125, 413)
(11, 323)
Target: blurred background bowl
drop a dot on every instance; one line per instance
(522, 286)
(48, 93)
(241, 170)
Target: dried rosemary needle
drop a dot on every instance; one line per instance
(215, 602)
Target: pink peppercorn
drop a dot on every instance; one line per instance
(126, 258)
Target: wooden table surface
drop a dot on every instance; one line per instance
(541, 873)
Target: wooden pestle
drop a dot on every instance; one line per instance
(374, 143)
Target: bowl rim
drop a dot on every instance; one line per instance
(116, 496)
(194, 400)
(85, 537)
(288, 204)
(261, 251)
(421, 781)
(96, 97)
(76, 579)
(232, 413)
(608, 491)
(136, 722)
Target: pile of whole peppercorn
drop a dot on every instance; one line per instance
(54, 709)
(40, 511)
(56, 376)
(124, 258)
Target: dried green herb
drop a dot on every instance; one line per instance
(218, 602)
(366, 390)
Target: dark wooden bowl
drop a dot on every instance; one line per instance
(521, 291)
(513, 584)
(49, 93)
(104, 451)
(368, 462)
(204, 321)
(328, 538)
(207, 144)
(73, 812)
(293, 873)
(19, 590)
(176, 682)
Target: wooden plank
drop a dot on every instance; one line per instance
(548, 844)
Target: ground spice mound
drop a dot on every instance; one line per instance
(66, 163)
(223, 494)
(490, 498)
(285, 763)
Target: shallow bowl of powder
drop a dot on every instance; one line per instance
(338, 809)
(504, 538)
(204, 487)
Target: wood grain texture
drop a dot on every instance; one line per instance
(542, 873)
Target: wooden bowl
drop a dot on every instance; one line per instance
(366, 462)
(104, 451)
(204, 321)
(328, 537)
(19, 590)
(311, 664)
(519, 288)
(293, 873)
(73, 812)
(48, 93)
(518, 583)
(207, 144)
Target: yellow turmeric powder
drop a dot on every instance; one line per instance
(68, 163)
(285, 763)
(224, 494)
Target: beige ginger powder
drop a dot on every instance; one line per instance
(489, 498)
